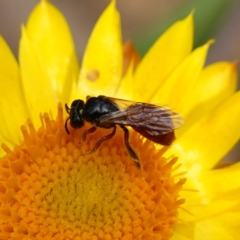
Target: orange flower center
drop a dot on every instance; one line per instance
(51, 189)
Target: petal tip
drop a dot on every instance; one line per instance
(189, 18)
(190, 15)
(208, 44)
(113, 2)
(210, 41)
(112, 8)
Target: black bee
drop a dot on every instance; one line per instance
(154, 122)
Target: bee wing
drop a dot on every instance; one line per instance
(150, 118)
(120, 103)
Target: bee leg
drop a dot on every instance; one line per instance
(107, 137)
(66, 127)
(90, 130)
(130, 150)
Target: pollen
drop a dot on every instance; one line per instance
(51, 188)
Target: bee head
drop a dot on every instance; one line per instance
(75, 114)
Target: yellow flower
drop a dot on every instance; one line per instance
(49, 188)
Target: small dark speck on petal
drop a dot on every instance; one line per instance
(93, 75)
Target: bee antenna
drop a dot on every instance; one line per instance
(66, 127)
(67, 108)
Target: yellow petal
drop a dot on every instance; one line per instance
(211, 179)
(180, 83)
(52, 42)
(222, 226)
(126, 87)
(102, 63)
(36, 83)
(216, 83)
(168, 51)
(130, 55)
(207, 141)
(179, 236)
(13, 108)
(210, 200)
